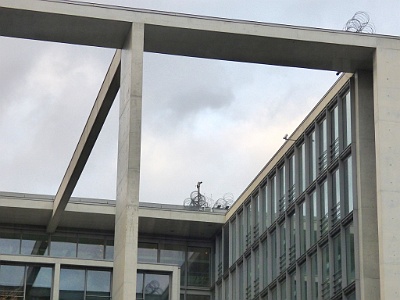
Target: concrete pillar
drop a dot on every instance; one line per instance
(365, 212)
(128, 172)
(387, 130)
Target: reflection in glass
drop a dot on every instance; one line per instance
(348, 185)
(198, 266)
(174, 254)
(350, 259)
(313, 157)
(98, 284)
(12, 281)
(9, 242)
(347, 119)
(156, 287)
(34, 244)
(63, 246)
(314, 218)
(139, 286)
(303, 227)
(109, 249)
(38, 283)
(90, 248)
(323, 146)
(72, 284)
(147, 252)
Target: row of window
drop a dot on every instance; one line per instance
(68, 245)
(195, 262)
(304, 205)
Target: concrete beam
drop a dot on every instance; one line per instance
(98, 115)
(188, 35)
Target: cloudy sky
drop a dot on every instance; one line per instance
(211, 121)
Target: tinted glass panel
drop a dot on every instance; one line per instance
(147, 252)
(72, 284)
(63, 246)
(156, 287)
(12, 282)
(9, 242)
(198, 266)
(174, 254)
(38, 283)
(34, 244)
(89, 248)
(98, 284)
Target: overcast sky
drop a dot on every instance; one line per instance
(211, 121)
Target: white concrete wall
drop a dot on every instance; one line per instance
(387, 130)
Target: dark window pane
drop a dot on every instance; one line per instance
(9, 242)
(34, 244)
(174, 254)
(12, 282)
(197, 297)
(147, 252)
(156, 287)
(91, 248)
(38, 283)
(198, 266)
(63, 246)
(139, 286)
(72, 284)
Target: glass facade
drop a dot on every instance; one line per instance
(307, 198)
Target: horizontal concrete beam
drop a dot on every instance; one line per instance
(188, 35)
(98, 115)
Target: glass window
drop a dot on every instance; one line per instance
(12, 282)
(324, 207)
(147, 252)
(139, 286)
(256, 271)
(325, 273)
(274, 294)
(156, 286)
(292, 239)
(292, 179)
(34, 244)
(197, 297)
(303, 279)
(226, 291)
(348, 185)
(313, 218)
(63, 246)
(314, 277)
(347, 119)
(282, 189)
(72, 284)
(248, 279)
(98, 284)
(38, 282)
(248, 225)
(302, 167)
(266, 206)
(241, 282)
(255, 215)
(91, 248)
(274, 198)
(174, 254)
(283, 290)
(313, 156)
(337, 264)
(334, 133)
(350, 259)
(273, 256)
(335, 196)
(198, 266)
(234, 285)
(241, 243)
(109, 249)
(265, 262)
(303, 227)
(10, 242)
(233, 241)
(282, 246)
(323, 146)
(293, 288)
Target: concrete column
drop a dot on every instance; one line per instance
(55, 292)
(365, 212)
(387, 130)
(128, 172)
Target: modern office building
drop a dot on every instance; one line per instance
(319, 221)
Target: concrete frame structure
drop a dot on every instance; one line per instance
(374, 60)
